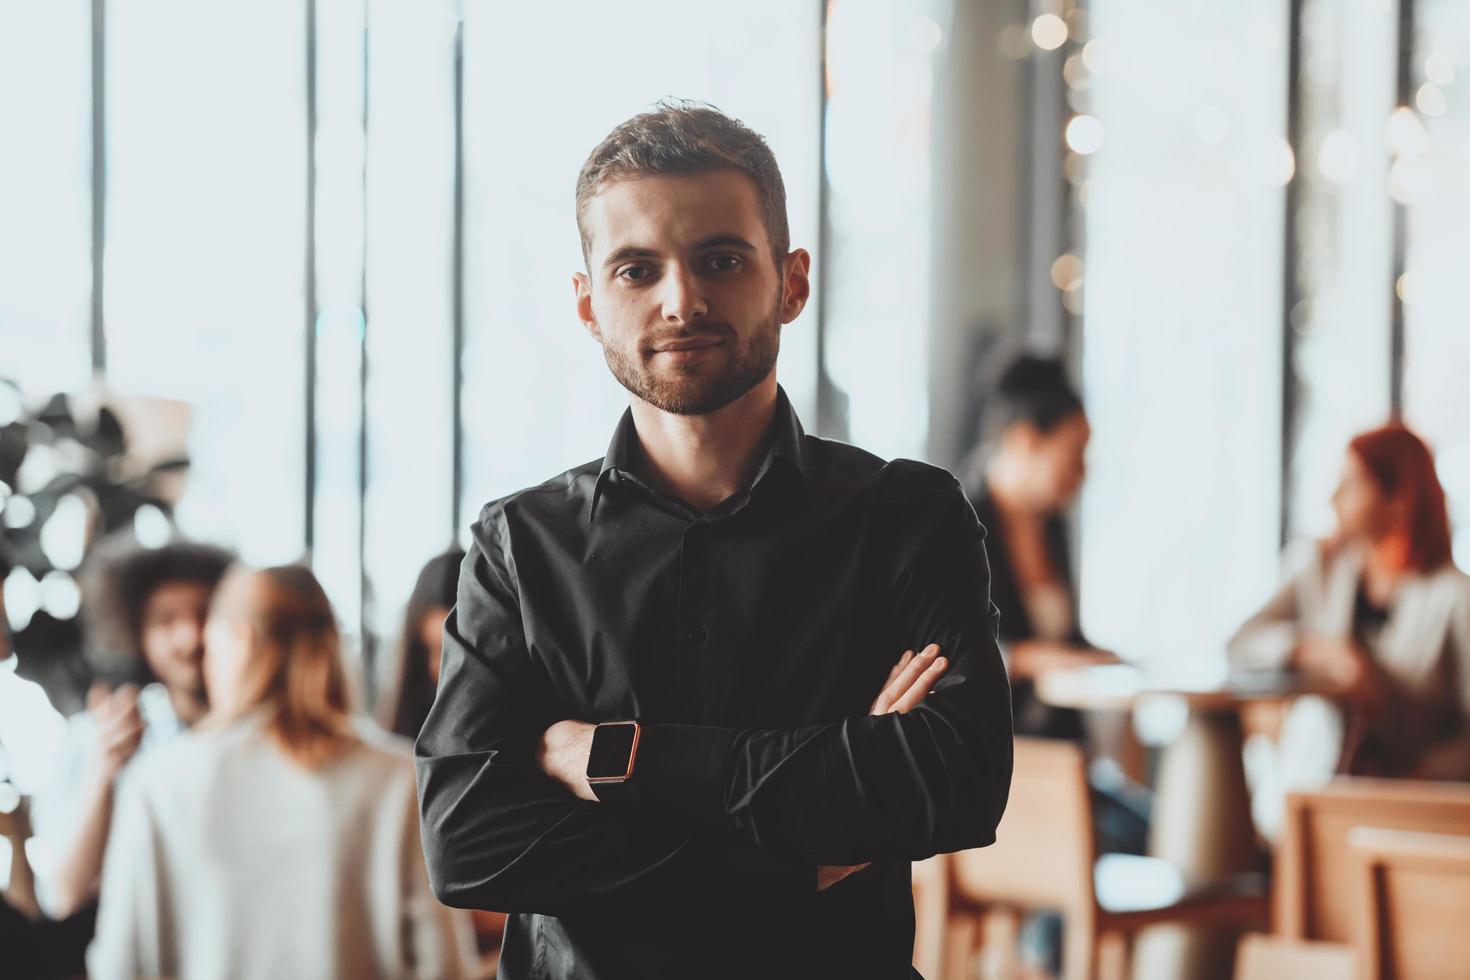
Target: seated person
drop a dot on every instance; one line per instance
(1028, 473)
(1377, 616)
(272, 840)
(144, 611)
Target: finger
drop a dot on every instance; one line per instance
(124, 698)
(898, 667)
(117, 736)
(887, 695)
(916, 666)
(889, 692)
(97, 695)
(921, 686)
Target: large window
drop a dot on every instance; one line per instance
(1341, 313)
(880, 77)
(1181, 121)
(45, 193)
(410, 282)
(205, 230)
(1430, 178)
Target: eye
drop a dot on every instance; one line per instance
(725, 262)
(635, 273)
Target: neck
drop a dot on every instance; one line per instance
(1382, 562)
(704, 459)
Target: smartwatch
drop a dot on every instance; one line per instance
(610, 763)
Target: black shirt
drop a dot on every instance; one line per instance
(750, 641)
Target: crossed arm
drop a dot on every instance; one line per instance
(566, 745)
(762, 810)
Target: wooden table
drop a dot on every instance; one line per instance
(1201, 819)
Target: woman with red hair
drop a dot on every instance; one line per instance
(1378, 617)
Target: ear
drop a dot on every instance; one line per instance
(796, 285)
(582, 286)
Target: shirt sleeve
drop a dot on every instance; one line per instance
(1267, 639)
(885, 787)
(498, 833)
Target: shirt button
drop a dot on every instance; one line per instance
(696, 634)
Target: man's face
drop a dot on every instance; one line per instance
(682, 290)
(172, 634)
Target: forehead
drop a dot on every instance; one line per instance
(173, 593)
(673, 211)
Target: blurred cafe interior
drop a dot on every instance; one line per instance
(1178, 293)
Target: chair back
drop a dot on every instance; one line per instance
(1044, 849)
(1413, 893)
(1272, 958)
(1313, 886)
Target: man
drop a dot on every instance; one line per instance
(144, 610)
(737, 589)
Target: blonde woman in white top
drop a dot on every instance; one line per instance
(272, 841)
(1379, 617)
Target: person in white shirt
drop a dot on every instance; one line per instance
(144, 611)
(272, 840)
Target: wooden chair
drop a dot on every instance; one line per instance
(1312, 894)
(1273, 958)
(1045, 858)
(1413, 897)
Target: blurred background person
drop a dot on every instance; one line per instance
(414, 677)
(145, 610)
(273, 841)
(414, 664)
(1378, 617)
(1022, 481)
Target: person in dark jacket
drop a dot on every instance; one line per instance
(1026, 474)
(656, 739)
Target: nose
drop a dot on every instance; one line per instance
(683, 300)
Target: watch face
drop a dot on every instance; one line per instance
(612, 750)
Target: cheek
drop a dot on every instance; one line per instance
(223, 660)
(1353, 506)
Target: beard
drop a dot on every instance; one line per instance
(705, 385)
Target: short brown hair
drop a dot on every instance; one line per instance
(683, 137)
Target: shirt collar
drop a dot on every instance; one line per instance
(788, 444)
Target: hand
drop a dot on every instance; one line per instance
(909, 680)
(830, 874)
(119, 728)
(1342, 666)
(563, 753)
(1032, 658)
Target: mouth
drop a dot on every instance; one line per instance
(688, 350)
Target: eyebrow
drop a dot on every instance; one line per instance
(714, 241)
